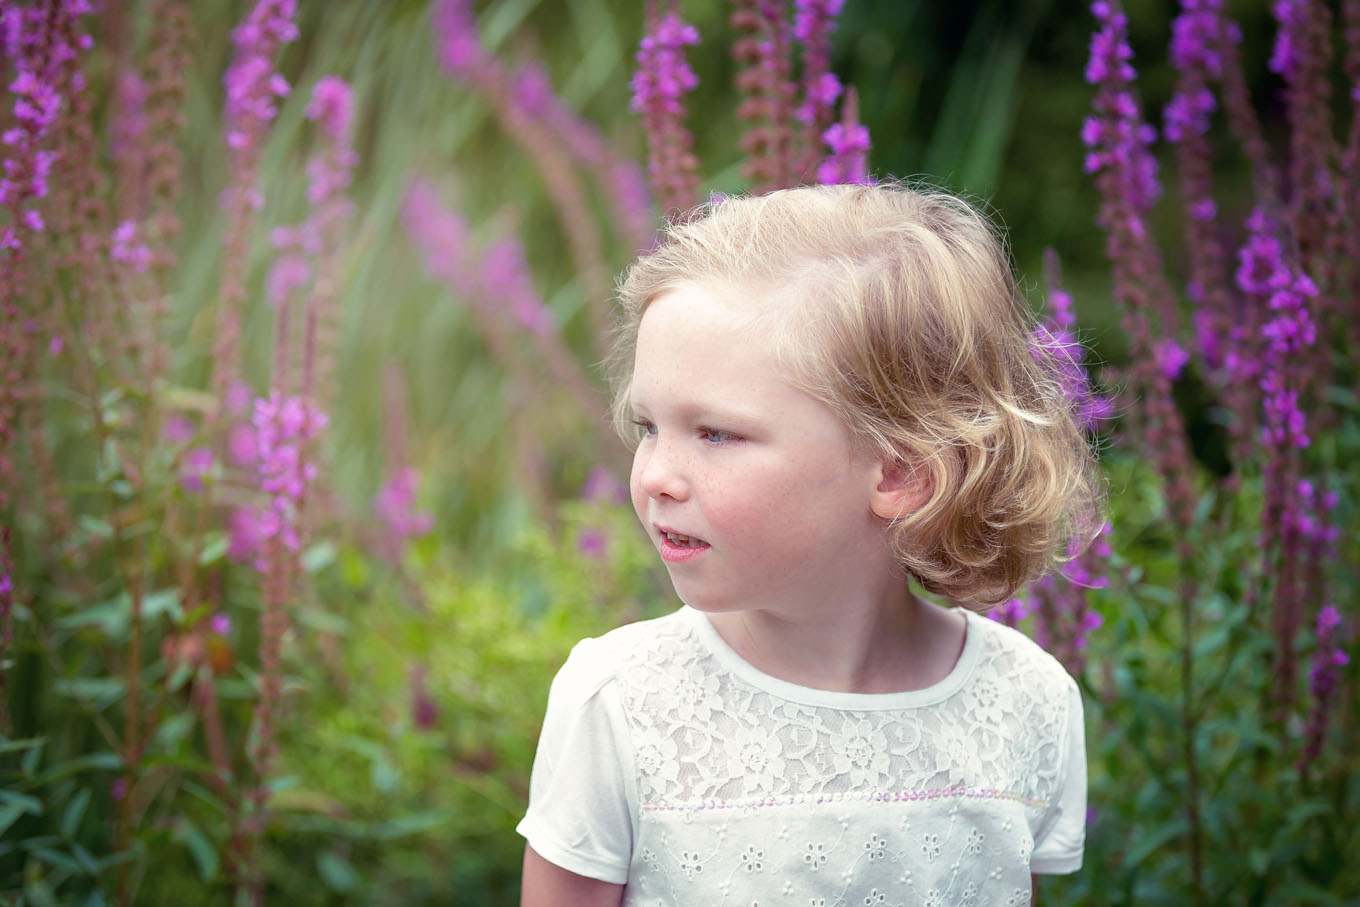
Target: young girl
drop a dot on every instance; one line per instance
(836, 389)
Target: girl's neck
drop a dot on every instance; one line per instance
(903, 644)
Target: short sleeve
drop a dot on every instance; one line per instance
(581, 792)
(1059, 842)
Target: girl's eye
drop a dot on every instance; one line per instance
(718, 436)
(648, 427)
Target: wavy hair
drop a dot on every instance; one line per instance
(896, 306)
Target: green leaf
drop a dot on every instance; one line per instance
(13, 746)
(29, 765)
(95, 527)
(57, 859)
(9, 814)
(31, 805)
(116, 859)
(411, 824)
(336, 872)
(214, 548)
(105, 761)
(202, 850)
(75, 811)
(166, 601)
(318, 557)
(38, 893)
(174, 729)
(112, 616)
(323, 620)
(86, 860)
(100, 691)
(1154, 840)
(1212, 641)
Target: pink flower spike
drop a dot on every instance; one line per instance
(177, 430)
(195, 468)
(332, 106)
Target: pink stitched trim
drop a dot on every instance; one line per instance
(957, 791)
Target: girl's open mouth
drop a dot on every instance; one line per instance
(676, 546)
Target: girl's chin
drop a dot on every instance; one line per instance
(709, 604)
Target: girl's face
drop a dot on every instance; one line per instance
(751, 489)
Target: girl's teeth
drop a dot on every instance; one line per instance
(683, 541)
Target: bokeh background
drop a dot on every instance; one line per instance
(465, 526)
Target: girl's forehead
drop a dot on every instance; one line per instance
(762, 310)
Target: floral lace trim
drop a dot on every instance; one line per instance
(958, 791)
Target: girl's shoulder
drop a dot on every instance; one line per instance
(1008, 654)
(595, 661)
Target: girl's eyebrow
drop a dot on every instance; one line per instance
(706, 413)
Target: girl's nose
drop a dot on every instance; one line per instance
(660, 471)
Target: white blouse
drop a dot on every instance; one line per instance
(669, 763)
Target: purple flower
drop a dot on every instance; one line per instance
(532, 90)
(810, 14)
(1010, 612)
(6, 585)
(250, 81)
(220, 624)
(283, 426)
(1203, 209)
(460, 48)
(126, 249)
(444, 238)
(288, 273)
(1055, 340)
(1323, 678)
(1171, 358)
(532, 94)
(821, 93)
(131, 122)
(592, 544)
(659, 85)
(601, 486)
(849, 145)
(332, 107)
(329, 175)
(663, 78)
(194, 468)
(1189, 114)
(243, 535)
(506, 276)
(1196, 37)
(395, 504)
(1110, 52)
(242, 445)
(1117, 136)
(424, 712)
(1284, 56)
(238, 397)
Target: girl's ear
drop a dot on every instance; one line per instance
(902, 489)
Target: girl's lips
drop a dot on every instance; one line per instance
(673, 553)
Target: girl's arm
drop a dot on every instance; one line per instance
(549, 885)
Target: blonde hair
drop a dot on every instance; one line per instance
(896, 307)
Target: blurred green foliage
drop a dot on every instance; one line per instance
(375, 801)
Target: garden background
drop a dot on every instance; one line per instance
(306, 483)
